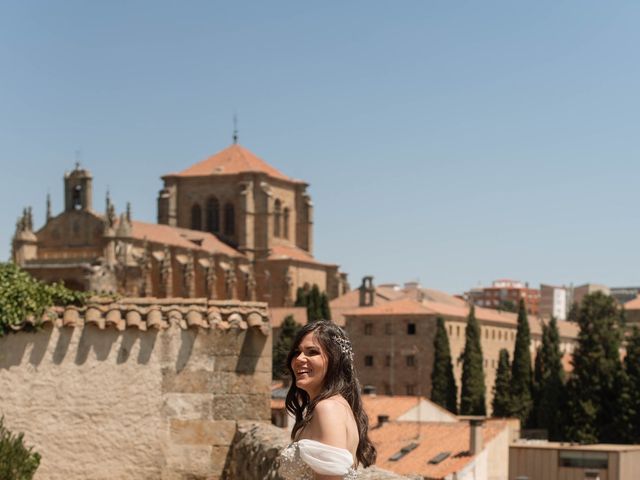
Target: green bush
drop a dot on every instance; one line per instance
(22, 296)
(17, 462)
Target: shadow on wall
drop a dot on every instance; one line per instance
(101, 344)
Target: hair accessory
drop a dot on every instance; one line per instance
(345, 346)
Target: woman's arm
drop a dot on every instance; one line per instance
(329, 426)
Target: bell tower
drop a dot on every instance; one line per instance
(78, 194)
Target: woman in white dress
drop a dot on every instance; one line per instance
(330, 433)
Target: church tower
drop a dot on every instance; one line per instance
(78, 192)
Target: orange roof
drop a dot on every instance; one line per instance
(393, 406)
(230, 161)
(284, 252)
(278, 314)
(180, 237)
(403, 306)
(633, 304)
(432, 438)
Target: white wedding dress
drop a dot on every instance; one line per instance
(301, 459)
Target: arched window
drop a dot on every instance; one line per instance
(277, 218)
(196, 217)
(213, 215)
(285, 223)
(229, 219)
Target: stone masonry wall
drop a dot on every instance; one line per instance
(138, 389)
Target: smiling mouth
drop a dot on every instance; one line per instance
(299, 373)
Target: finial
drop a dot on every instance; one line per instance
(235, 129)
(48, 207)
(78, 159)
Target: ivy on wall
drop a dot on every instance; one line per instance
(22, 296)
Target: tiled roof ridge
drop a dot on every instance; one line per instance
(148, 312)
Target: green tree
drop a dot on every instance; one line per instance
(632, 368)
(520, 391)
(17, 462)
(314, 304)
(282, 346)
(472, 395)
(536, 385)
(302, 297)
(597, 393)
(325, 310)
(443, 383)
(550, 394)
(23, 297)
(507, 306)
(501, 405)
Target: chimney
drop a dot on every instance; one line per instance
(367, 292)
(475, 437)
(382, 419)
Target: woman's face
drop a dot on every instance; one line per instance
(309, 365)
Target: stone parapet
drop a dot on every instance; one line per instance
(157, 313)
(255, 450)
(138, 388)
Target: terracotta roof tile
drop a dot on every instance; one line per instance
(180, 237)
(230, 161)
(159, 313)
(278, 314)
(633, 304)
(284, 252)
(432, 438)
(393, 406)
(403, 306)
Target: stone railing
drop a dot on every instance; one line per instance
(254, 452)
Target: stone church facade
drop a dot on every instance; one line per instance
(229, 227)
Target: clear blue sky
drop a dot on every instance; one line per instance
(449, 142)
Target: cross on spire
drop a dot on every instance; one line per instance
(235, 129)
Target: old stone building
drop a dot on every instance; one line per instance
(393, 330)
(229, 227)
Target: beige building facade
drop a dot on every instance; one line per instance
(557, 461)
(393, 335)
(229, 227)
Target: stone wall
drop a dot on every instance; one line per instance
(138, 389)
(255, 449)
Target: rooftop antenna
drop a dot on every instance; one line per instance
(235, 128)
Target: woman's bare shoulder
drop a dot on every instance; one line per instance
(333, 406)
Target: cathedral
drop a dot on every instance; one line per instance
(229, 227)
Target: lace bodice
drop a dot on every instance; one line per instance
(300, 459)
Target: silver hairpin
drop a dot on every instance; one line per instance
(345, 346)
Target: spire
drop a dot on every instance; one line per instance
(129, 212)
(235, 129)
(48, 207)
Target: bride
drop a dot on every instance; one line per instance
(330, 432)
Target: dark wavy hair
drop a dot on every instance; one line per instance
(340, 379)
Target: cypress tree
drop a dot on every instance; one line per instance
(520, 391)
(472, 395)
(325, 310)
(302, 298)
(443, 383)
(632, 368)
(597, 398)
(501, 405)
(314, 304)
(536, 387)
(550, 390)
(281, 347)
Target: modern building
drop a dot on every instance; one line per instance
(505, 294)
(533, 460)
(554, 302)
(230, 226)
